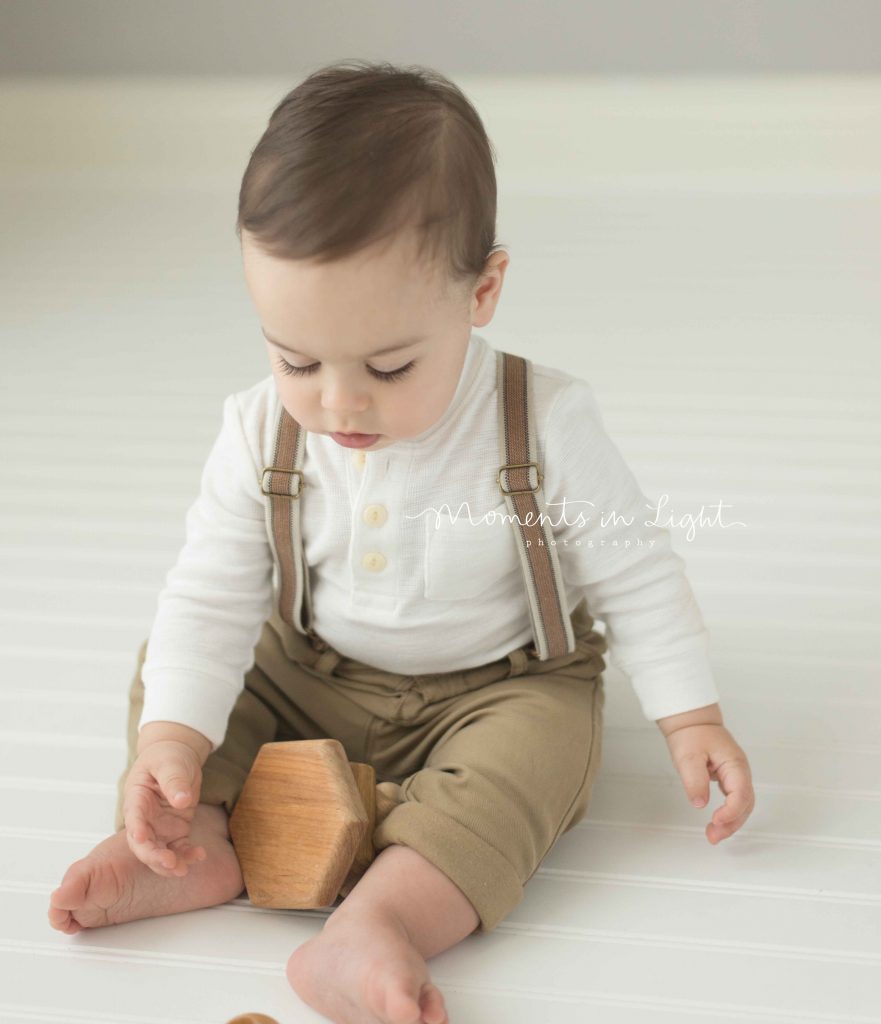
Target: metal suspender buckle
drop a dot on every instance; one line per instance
(282, 494)
(317, 642)
(520, 465)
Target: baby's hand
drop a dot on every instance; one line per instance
(157, 819)
(703, 752)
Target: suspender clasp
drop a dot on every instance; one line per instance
(317, 642)
(286, 493)
(520, 465)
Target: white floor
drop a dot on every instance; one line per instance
(706, 253)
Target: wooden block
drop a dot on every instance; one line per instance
(299, 823)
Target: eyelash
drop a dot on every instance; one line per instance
(307, 371)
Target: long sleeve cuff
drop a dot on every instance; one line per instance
(679, 684)
(202, 702)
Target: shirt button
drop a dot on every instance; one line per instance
(374, 561)
(375, 515)
(359, 458)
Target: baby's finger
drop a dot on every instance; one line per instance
(187, 852)
(695, 780)
(726, 821)
(715, 832)
(139, 830)
(176, 858)
(728, 818)
(161, 860)
(157, 857)
(733, 810)
(143, 844)
(137, 810)
(736, 783)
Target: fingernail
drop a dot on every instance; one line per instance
(177, 796)
(697, 802)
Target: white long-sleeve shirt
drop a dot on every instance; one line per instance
(408, 571)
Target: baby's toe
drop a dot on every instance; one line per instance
(433, 1009)
(401, 1002)
(68, 897)
(72, 891)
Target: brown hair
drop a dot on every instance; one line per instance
(359, 150)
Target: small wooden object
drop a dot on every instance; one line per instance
(302, 827)
(252, 1018)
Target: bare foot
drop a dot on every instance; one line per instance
(365, 971)
(110, 885)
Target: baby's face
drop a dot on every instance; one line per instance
(332, 322)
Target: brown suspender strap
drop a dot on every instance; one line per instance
(520, 481)
(283, 483)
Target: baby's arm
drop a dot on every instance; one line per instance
(216, 599)
(636, 583)
(623, 563)
(218, 594)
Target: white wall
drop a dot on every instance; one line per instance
(230, 37)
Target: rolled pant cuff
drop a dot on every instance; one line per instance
(480, 871)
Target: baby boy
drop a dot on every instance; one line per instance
(367, 225)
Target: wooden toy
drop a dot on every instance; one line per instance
(252, 1018)
(303, 825)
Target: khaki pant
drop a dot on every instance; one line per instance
(489, 765)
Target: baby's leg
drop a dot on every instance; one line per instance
(471, 827)
(110, 885)
(369, 961)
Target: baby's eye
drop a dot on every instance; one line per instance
(297, 371)
(306, 371)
